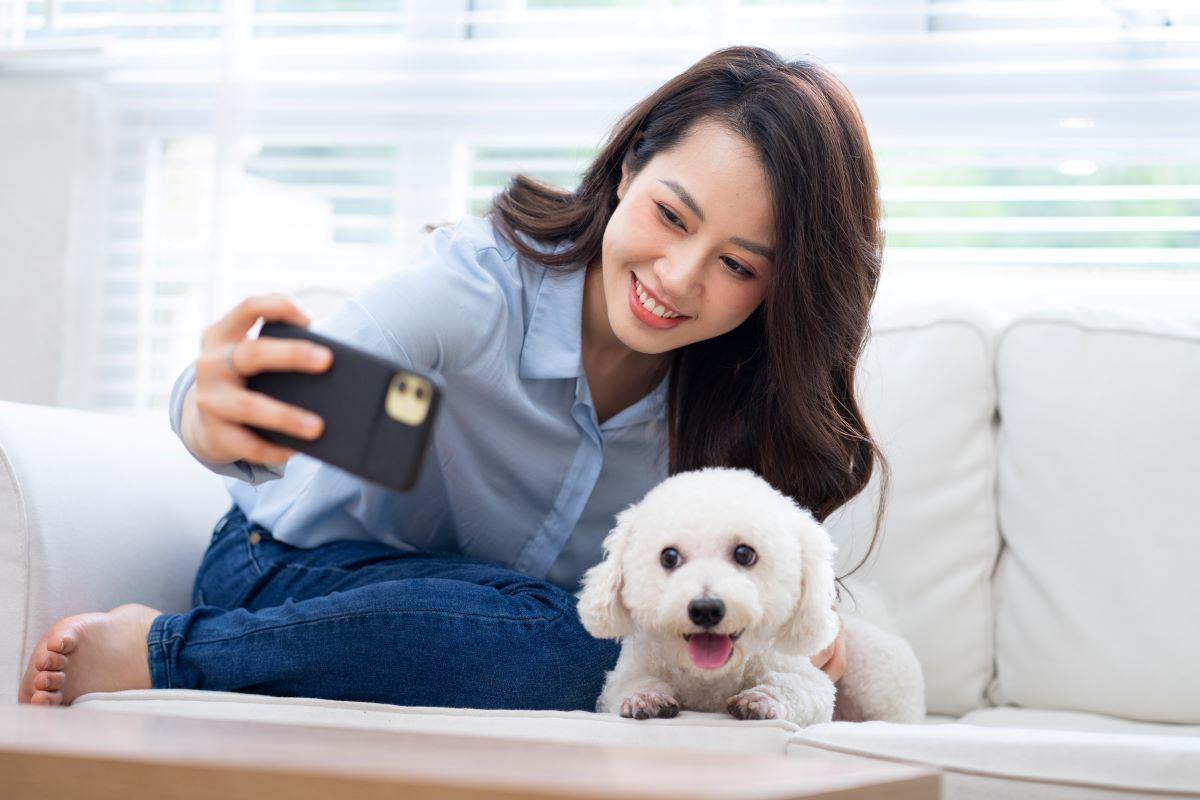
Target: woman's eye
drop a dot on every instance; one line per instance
(671, 219)
(669, 558)
(735, 266)
(744, 555)
(666, 214)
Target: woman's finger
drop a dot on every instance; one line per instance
(265, 354)
(273, 354)
(241, 318)
(245, 407)
(248, 446)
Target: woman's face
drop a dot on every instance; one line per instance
(695, 229)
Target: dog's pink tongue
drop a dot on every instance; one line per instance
(709, 650)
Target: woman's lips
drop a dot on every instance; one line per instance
(640, 311)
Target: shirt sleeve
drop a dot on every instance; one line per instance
(441, 314)
(446, 311)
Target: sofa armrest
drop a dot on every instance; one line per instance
(95, 510)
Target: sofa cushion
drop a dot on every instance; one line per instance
(1096, 588)
(1028, 755)
(927, 392)
(690, 729)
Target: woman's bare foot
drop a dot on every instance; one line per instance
(96, 652)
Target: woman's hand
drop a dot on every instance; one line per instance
(832, 660)
(218, 405)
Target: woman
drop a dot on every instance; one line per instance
(700, 299)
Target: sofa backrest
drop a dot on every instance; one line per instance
(1097, 593)
(927, 390)
(1049, 443)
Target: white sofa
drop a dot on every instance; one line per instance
(1040, 553)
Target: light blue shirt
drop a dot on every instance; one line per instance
(519, 471)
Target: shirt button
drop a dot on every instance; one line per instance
(255, 537)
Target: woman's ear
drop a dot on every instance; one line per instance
(814, 625)
(600, 607)
(623, 185)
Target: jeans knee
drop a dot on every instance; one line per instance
(582, 664)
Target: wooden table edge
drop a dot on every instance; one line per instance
(143, 754)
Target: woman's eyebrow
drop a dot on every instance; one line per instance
(690, 202)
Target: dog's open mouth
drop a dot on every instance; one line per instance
(710, 650)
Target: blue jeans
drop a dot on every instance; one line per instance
(354, 620)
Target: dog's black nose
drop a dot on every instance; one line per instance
(706, 611)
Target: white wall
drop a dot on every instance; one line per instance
(48, 167)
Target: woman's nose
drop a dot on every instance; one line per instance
(680, 278)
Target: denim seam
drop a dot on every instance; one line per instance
(311, 567)
(165, 659)
(250, 552)
(258, 564)
(371, 613)
(167, 662)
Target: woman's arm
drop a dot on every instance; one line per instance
(832, 660)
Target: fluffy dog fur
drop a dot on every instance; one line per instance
(780, 607)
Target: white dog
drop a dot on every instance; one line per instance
(720, 588)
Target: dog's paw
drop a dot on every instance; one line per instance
(644, 705)
(752, 704)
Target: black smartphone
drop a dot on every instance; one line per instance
(378, 414)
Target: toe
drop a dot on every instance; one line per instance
(47, 661)
(47, 699)
(49, 681)
(63, 642)
(32, 670)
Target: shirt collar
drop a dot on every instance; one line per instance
(551, 346)
(552, 340)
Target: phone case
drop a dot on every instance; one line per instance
(378, 414)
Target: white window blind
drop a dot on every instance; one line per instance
(280, 144)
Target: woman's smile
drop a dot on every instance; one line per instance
(644, 314)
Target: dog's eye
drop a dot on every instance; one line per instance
(669, 558)
(744, 555)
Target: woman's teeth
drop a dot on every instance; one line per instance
(649, 304)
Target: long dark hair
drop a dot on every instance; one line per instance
(776, 394)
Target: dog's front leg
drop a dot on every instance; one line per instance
(785, 687)
(632, 690)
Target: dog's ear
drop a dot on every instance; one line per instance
(601, 609)
(814, 623)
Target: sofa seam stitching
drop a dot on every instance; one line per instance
(997, 543)
(1116, 331)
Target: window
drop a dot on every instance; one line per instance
(269, 145)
